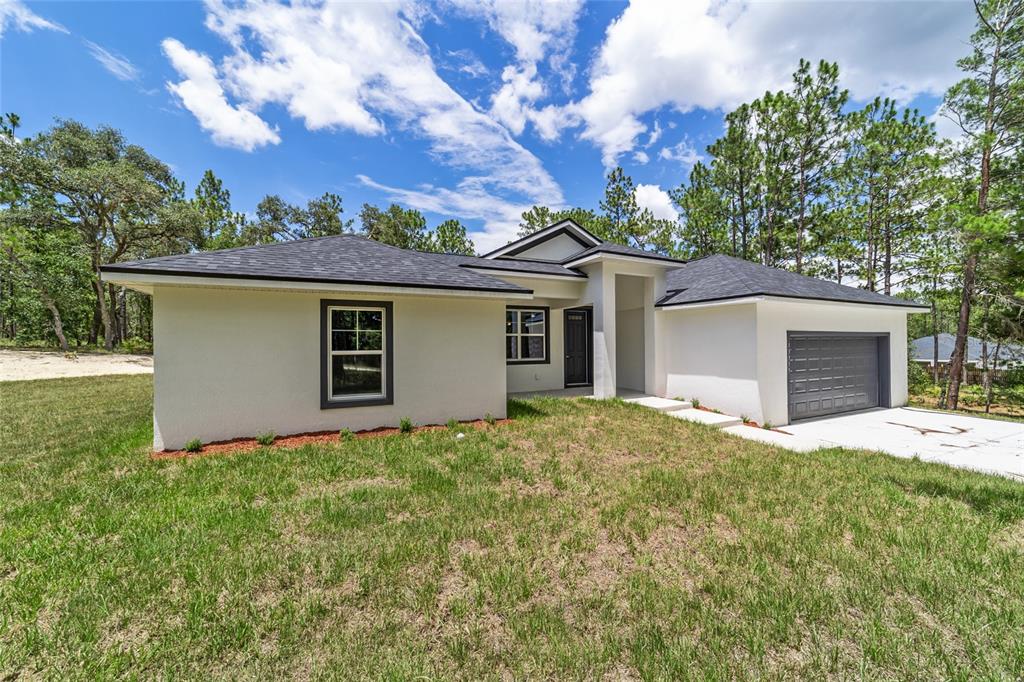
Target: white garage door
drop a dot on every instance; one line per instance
(829, 374)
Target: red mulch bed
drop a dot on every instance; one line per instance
(234, 445)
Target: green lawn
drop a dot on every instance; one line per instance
(585, 540)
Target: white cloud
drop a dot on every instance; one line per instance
(363, 67)
(14, 14)
(641, 157)
(715, 54)
(538, 30)
(684, 152)
(464, 61)
(946, 127)
(202, 94)
(657, 200)
(116, 64)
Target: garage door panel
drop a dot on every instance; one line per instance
(829, 374)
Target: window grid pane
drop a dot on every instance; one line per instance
(525, 335)
(357, 352)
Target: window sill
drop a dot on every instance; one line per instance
(512, 363)
(355, 402)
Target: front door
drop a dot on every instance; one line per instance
(577, 347)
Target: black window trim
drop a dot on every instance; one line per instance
(326, 402)
(547, 335)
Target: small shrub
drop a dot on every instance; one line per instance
(489, 418)
(744, 418)
(136, 345)
(767, 426)
(346, 434)
(918, 378)
(694, 402)
(194, 445)
(453, 423)
(266, 438)
(405, 425)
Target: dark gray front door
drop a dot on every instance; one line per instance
(577, 347)
(832, 374)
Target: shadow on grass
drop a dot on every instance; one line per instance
(1001, 500)
(525, 409)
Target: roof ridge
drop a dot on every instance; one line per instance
(234, 249)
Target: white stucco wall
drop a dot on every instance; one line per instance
(734, 357)
(710, 353)
(775, 318)
(234, 362)
(547, 376)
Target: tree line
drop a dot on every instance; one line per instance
(800, 179)
(74, 198)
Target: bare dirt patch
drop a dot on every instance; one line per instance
(24, 365)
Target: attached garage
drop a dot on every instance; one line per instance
(835, 373)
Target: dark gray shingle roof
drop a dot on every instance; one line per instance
(921, 349)
(513, 265)
(720, 277)
(344, 259)
(620, 250)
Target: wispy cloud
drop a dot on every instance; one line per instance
(539, 31)
(116, 64)
(464, 61)
(364, 68)
(684, 151)
(14, 14)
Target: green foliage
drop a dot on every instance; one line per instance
(490, 419)
(918, 378)
(277, 220)
(346, 434)
(405, 425)
(395, 225)
(135, 344)
(448, 237)
(453, 423)
(266, 439)
(194, 445)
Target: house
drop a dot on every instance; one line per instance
(1006, 356)
(342, 331)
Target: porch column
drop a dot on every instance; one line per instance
(655, 378)
(604, 336)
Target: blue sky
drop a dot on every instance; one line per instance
(474, 109)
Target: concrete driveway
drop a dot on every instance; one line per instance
(987, 445)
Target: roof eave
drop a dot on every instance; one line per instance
(610, 255)
(145, 280)
(738, 299)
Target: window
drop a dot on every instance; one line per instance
(356, 353)
(526, 335)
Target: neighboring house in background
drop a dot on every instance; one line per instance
(1009, 355)
(342, 331)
